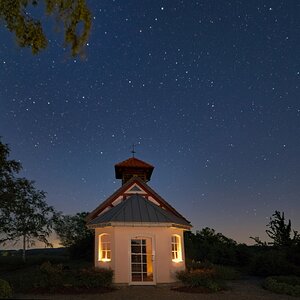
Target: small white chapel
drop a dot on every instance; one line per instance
(138, 234)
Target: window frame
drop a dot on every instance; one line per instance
(104, 249)
(176, 248)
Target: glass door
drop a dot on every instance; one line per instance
(141, 260)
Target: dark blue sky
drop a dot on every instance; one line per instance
(209, 90)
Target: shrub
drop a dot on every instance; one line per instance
(200, 278)
(272, 263)
(220, 272)
(93, 278)
(226, 273)
(196, 265)
(5, 289)
(56, 275)
(289, 285)
(51, 275)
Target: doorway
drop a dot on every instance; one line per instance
(141, 261)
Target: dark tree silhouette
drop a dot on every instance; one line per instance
(8, 169)
(281, 232)
(73, 15)
(74, 234)
(26, 216)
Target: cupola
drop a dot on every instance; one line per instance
(133, 167)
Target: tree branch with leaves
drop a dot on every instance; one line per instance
(24, 214)
(26, 217)
(74, 16)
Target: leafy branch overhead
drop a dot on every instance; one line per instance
(73, 14)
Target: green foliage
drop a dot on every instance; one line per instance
(8, 168)
(293, 254)
(14, 263)
(5, 289)
(207, 245)
(219, 271)
(93, 278)
(26, 277)
(226, 273)
(208, 276)
(74, 15)
(200, 278)
(289, 285)
(8, 171)
(272, 262)
(54, 276)
(23, 210)
(51, 275)
(27, 215)
(280, 231)
(74, 234)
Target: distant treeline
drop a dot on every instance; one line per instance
(280, 257)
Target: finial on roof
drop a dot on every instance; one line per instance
(133, 150)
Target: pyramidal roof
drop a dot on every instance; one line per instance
(134, 162)
(122, 191)
(132, 165)
(137, 209)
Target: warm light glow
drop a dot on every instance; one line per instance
(176, 248)
(105, 259)
(104, 252)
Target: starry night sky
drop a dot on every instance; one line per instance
(208, 90)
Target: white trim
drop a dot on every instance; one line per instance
(140, 224)
(140, 192)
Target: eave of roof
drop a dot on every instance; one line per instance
(138, 224)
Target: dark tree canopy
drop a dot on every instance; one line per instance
(26, 216)
(208, 245)
(71, 229)
(281, 232)
(74, 234)
(24, 213)
(73, 15)
(8, 168)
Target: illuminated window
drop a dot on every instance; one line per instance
(176, 248)
(104, 247)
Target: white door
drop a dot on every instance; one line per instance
(141, 261)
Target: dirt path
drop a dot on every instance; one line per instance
(241, 290)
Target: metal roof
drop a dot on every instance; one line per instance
(137, 209)
(145, 187)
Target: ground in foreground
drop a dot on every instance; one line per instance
(249, 289)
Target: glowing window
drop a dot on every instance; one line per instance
(176, 248)
(104, 247)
